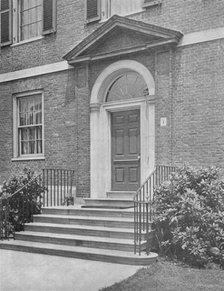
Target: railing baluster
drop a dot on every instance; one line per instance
(57, 187)
(143, 210)
(43, 184)
(140, 229)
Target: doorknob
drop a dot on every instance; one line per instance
(139, 157)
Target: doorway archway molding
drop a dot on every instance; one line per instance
(100, 125)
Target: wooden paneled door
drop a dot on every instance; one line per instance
(125, 130)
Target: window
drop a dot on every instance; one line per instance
(28, 125)
(120, 7)
(127, 86)
(103, 9)
(30, 18)
(26, 19)
(5, 23)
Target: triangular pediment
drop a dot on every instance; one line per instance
(120, 35)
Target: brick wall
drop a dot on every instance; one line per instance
(66, 126)
(199, 104)
(189, 91)
(182, 15)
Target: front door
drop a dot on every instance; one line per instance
(125, 129)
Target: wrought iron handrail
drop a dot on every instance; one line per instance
(60, 187)
(143, 212)
(6, 229)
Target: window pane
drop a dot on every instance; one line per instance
(39, 133)
(31, 147)
(127, 86)
(39, 147)
(31, 18)
(30, 114)
(24, 148)
(120, 7)
(32, 133)
(24, 134)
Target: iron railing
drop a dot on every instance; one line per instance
(21, 205)
(59, 184)
(143, 212)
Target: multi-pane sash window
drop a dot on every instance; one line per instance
(103, 9)
(22, 20)
(120, 7)
(30, 18)
(30, 125)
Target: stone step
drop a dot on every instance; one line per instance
(87, 230)
(109, 203)
(79, 240)
(100, 212)
(121, 194)
(81, 220)
(95, 254)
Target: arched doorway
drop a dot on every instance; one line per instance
(122, 128)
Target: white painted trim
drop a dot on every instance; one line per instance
(125, 15)
(116, 68)
(35, 158)
(16, 155)
(188, 39)
(100, 125)
(202, 36)
(27, 40)
(35, 71)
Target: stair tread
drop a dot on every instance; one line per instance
(78, 237)
(110, 199)
(72, 226)
(97, 218)
(76, 249)
(129, 210)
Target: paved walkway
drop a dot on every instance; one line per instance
(33, 272)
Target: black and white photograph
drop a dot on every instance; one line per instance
(112, 145)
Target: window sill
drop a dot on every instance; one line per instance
(152, 3)
(28, 41)
(34, 158)
(130, 14)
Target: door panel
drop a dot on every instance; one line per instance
(125, 128)
(119, 140)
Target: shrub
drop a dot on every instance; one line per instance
(189, 216)
(26, 202)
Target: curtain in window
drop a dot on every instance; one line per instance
(30, 125)
(30, 18)
(120, 7)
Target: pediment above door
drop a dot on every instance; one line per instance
(119, 36)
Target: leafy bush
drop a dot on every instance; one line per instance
(189, 216)
(25, 203)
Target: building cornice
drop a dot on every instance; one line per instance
(157, 33)
(35, 71)
(188, 40)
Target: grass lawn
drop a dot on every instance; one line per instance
(164, 276)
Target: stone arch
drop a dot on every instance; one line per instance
(113, 70)
(100, 124)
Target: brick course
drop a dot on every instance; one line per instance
(189, 91)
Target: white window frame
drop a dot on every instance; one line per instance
(16, 154)
(106, 9)
(17, 23)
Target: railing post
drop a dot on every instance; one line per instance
(1, 219)
(143, 211)
(147, 228)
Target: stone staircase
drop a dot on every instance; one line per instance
(101, 231)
